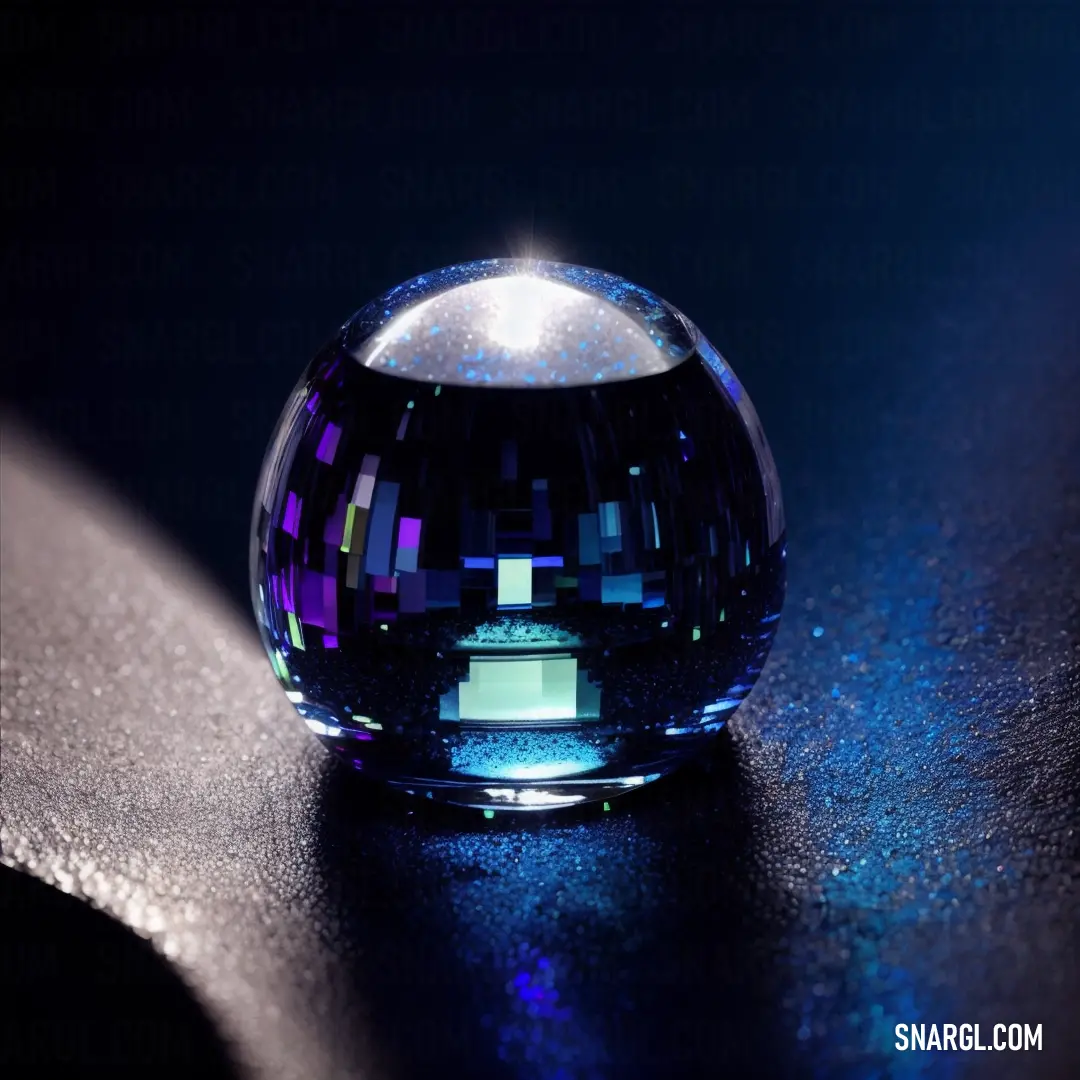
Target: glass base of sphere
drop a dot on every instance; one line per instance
(538, 795)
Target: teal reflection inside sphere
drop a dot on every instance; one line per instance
(518, 540)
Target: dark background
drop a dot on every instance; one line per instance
(873, 211)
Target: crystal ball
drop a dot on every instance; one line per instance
(518, 540)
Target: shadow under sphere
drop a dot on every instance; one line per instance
(581, 943)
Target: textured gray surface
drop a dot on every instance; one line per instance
(889, 835)
(151, 765)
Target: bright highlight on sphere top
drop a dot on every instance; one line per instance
(521, 306)
(511, 324)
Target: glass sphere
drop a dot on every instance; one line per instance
(518, 540)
